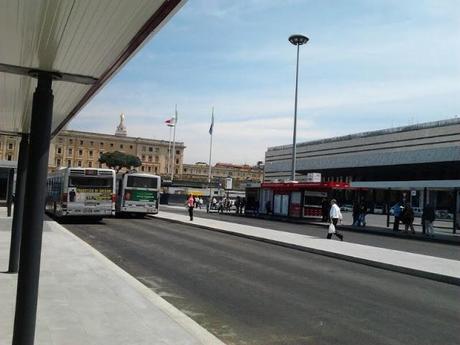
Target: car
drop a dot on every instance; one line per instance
(443, 214)
(418, 211)
(346, 208)
(379, 209)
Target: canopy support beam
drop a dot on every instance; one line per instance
(34, 205)
(18, 213)
(56, 75)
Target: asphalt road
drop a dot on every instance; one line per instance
(443, 250)
(250, 292)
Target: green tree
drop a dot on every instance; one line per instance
(118, 160)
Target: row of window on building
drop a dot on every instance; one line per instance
(121, 146)
(9, 145)
(90, 164)
(220, 173)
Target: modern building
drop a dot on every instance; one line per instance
(394, 160)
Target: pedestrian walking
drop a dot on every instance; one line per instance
(256, 206)
(238, 204)
(397, 210)
(268, 207)
(407, 217)
(356, 208)
(335, 215)
(428, 217)
(190, 206)
(362, 213)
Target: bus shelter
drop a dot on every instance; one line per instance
(295, 199)
(55, 55)
(443, 195)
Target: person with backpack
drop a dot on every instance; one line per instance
(397, 211)
(407, 217)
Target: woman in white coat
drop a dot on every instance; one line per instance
(335, 215)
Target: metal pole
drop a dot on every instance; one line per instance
(294, 146)
(34, 204)
(18, 214)
(454, 229)
(210, 147)
(210, 155)
(424, 205)
(9, 193)
(387, 197)
(168, 168)
(173, 165)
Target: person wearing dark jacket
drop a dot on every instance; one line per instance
(325, 208)
(407, 217)
(362, 213)
(356, 207)
(428, 218)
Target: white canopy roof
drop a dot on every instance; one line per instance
(79, 37)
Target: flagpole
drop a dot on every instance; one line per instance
(173, 165)
(168, 168)
(210, 153)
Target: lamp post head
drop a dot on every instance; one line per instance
(298, 40)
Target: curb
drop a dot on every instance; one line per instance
(389, 267)
(187, 323)
(367, 230)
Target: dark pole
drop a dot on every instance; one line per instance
(296, 40)
(9, 193)
(454, 230)
(387, 197)
(423, 211)
(294, 136)
(18, 214)
(31, 242)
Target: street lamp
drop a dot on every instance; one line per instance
(296, 40)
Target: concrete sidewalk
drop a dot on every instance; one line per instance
(376, 225)
(86, 299)
(430, 267)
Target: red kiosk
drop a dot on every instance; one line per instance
(297, 199)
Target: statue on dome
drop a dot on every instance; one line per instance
(121, 128)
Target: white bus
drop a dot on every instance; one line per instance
(138, 193)
(81, 192)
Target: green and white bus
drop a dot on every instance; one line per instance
(138, 193)
(81, 192)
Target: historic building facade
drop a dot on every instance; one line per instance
(82, 149)
(240, 173)
(9, 147)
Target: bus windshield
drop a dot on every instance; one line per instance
(85, 181)
(142, 182)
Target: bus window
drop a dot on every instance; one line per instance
(81, 181)
(142, 182)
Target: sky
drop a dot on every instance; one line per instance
(369, 65)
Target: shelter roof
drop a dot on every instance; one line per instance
(84, 42)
